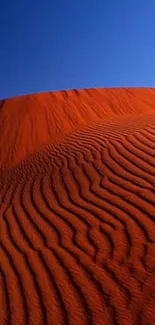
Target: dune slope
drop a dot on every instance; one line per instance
(77, 208)
(29, 122)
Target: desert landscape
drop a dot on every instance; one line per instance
(77, 208)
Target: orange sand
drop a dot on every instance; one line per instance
(77, 208)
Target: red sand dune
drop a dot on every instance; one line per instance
(77, 208)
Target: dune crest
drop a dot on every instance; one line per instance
(29, 122)
(77, 212)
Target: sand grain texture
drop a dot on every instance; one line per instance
(77, 208)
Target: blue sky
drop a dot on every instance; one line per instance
(62, 44)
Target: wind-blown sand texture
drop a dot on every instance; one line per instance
(77, 208)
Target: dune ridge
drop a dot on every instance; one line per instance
(29, 122)
(77, 212)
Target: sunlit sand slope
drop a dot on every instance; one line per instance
(29, 122)
(77, 208)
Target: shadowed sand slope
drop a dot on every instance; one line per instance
(77, 208)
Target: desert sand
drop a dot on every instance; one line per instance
(77, 208)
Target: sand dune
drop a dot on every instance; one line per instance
(77, 208)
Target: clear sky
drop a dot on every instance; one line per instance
(48, 45)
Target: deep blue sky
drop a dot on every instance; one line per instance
(61, 44)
